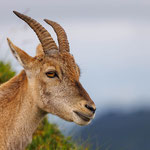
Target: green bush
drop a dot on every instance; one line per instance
(5, 72)
(47, 136)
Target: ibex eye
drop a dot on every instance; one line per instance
(51, 74)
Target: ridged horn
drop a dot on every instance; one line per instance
(61, 35)
(45, 38)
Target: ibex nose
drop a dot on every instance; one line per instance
(91, 108)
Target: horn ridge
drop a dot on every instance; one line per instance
(61, 35)
(44, 36)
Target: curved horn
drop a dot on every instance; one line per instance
(45, 38)
(61, 35)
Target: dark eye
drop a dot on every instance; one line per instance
(51, 74)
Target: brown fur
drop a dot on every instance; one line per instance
(14, 102)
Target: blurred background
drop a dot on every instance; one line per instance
(110, 40)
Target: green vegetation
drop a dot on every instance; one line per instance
(5, 72)
(47, 135)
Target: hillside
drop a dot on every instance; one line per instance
(119, 131)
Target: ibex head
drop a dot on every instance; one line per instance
(53, 75)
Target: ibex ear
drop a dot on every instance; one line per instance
(39, 50)
(24, 59)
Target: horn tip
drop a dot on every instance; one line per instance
(17, 13)
(48, 21)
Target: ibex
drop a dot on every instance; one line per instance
(49, 83)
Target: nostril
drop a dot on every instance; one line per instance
(90, 108)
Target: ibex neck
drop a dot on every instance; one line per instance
(19, 113)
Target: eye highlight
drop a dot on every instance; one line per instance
(51, 74)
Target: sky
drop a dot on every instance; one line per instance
(110, 40)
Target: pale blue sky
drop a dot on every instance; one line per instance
(110, 40)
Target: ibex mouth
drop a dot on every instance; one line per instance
(83, 116)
